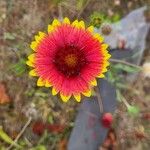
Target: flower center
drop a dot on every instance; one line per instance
(69, 60)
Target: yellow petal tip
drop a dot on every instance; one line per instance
(87, 93)
(99, 37)
(75, 23)
(101, 76)
(48, 84)
(50, 28)
(55, 23)
(29, 63)
(40, 82)
(54, 91)
(77, 97)
(33, 73)
(33, 45)
(90, 29)
(66, 20)
(31, 57)
(94, 82)
(82, 24)
(64, 97)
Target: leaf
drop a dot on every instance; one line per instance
(126, 68)
(39, 147)
(20, 67)
(50, 119)
(4, 98)
(121, 85)
(110, 77)
(6, 138)
(133, 110)
(116, 18)
(9, 36)
(118, 95)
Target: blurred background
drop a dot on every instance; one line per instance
(47, 122)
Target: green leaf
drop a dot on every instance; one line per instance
(119, 95)
(6, 138)
(126, 68)
(50, 119)
(40, 93)
(121, 85)
(20, 67)
(116, 18)
(110, 77)
(133, 110)
(39, 147)
(9, 36)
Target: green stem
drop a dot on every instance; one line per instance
(124, 62)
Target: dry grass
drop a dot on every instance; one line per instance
(19, 21)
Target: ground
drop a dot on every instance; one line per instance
(19, 21)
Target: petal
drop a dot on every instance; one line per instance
(40, 82)
(82, 24)
(107, 56)
(105, 46)
(104, 70)
(30, 63)
(33, 73)
(87, 93)
(101, 75)
(48, 84)
(39, 37)
(98, 37)
(75, 23)
(42, 34)
(66, 20)
(77, 97)
(107, 64)
(94, 82)
(50, 28)
(31, 57)
(90, 29)
(55, 23)
(65, 98)
(34, 45)
(54, 91)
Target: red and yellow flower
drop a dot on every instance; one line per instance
(68, 58)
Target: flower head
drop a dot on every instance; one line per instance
(68, 59)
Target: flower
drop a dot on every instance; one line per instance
(69, 59)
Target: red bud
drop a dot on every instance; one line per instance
(107, 120)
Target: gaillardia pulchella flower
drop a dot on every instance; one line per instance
(68, 58)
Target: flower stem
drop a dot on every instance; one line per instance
(100, 103)
(124, 62)
(125, 102)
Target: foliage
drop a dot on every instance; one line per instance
(20, 67)
(99, 18)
